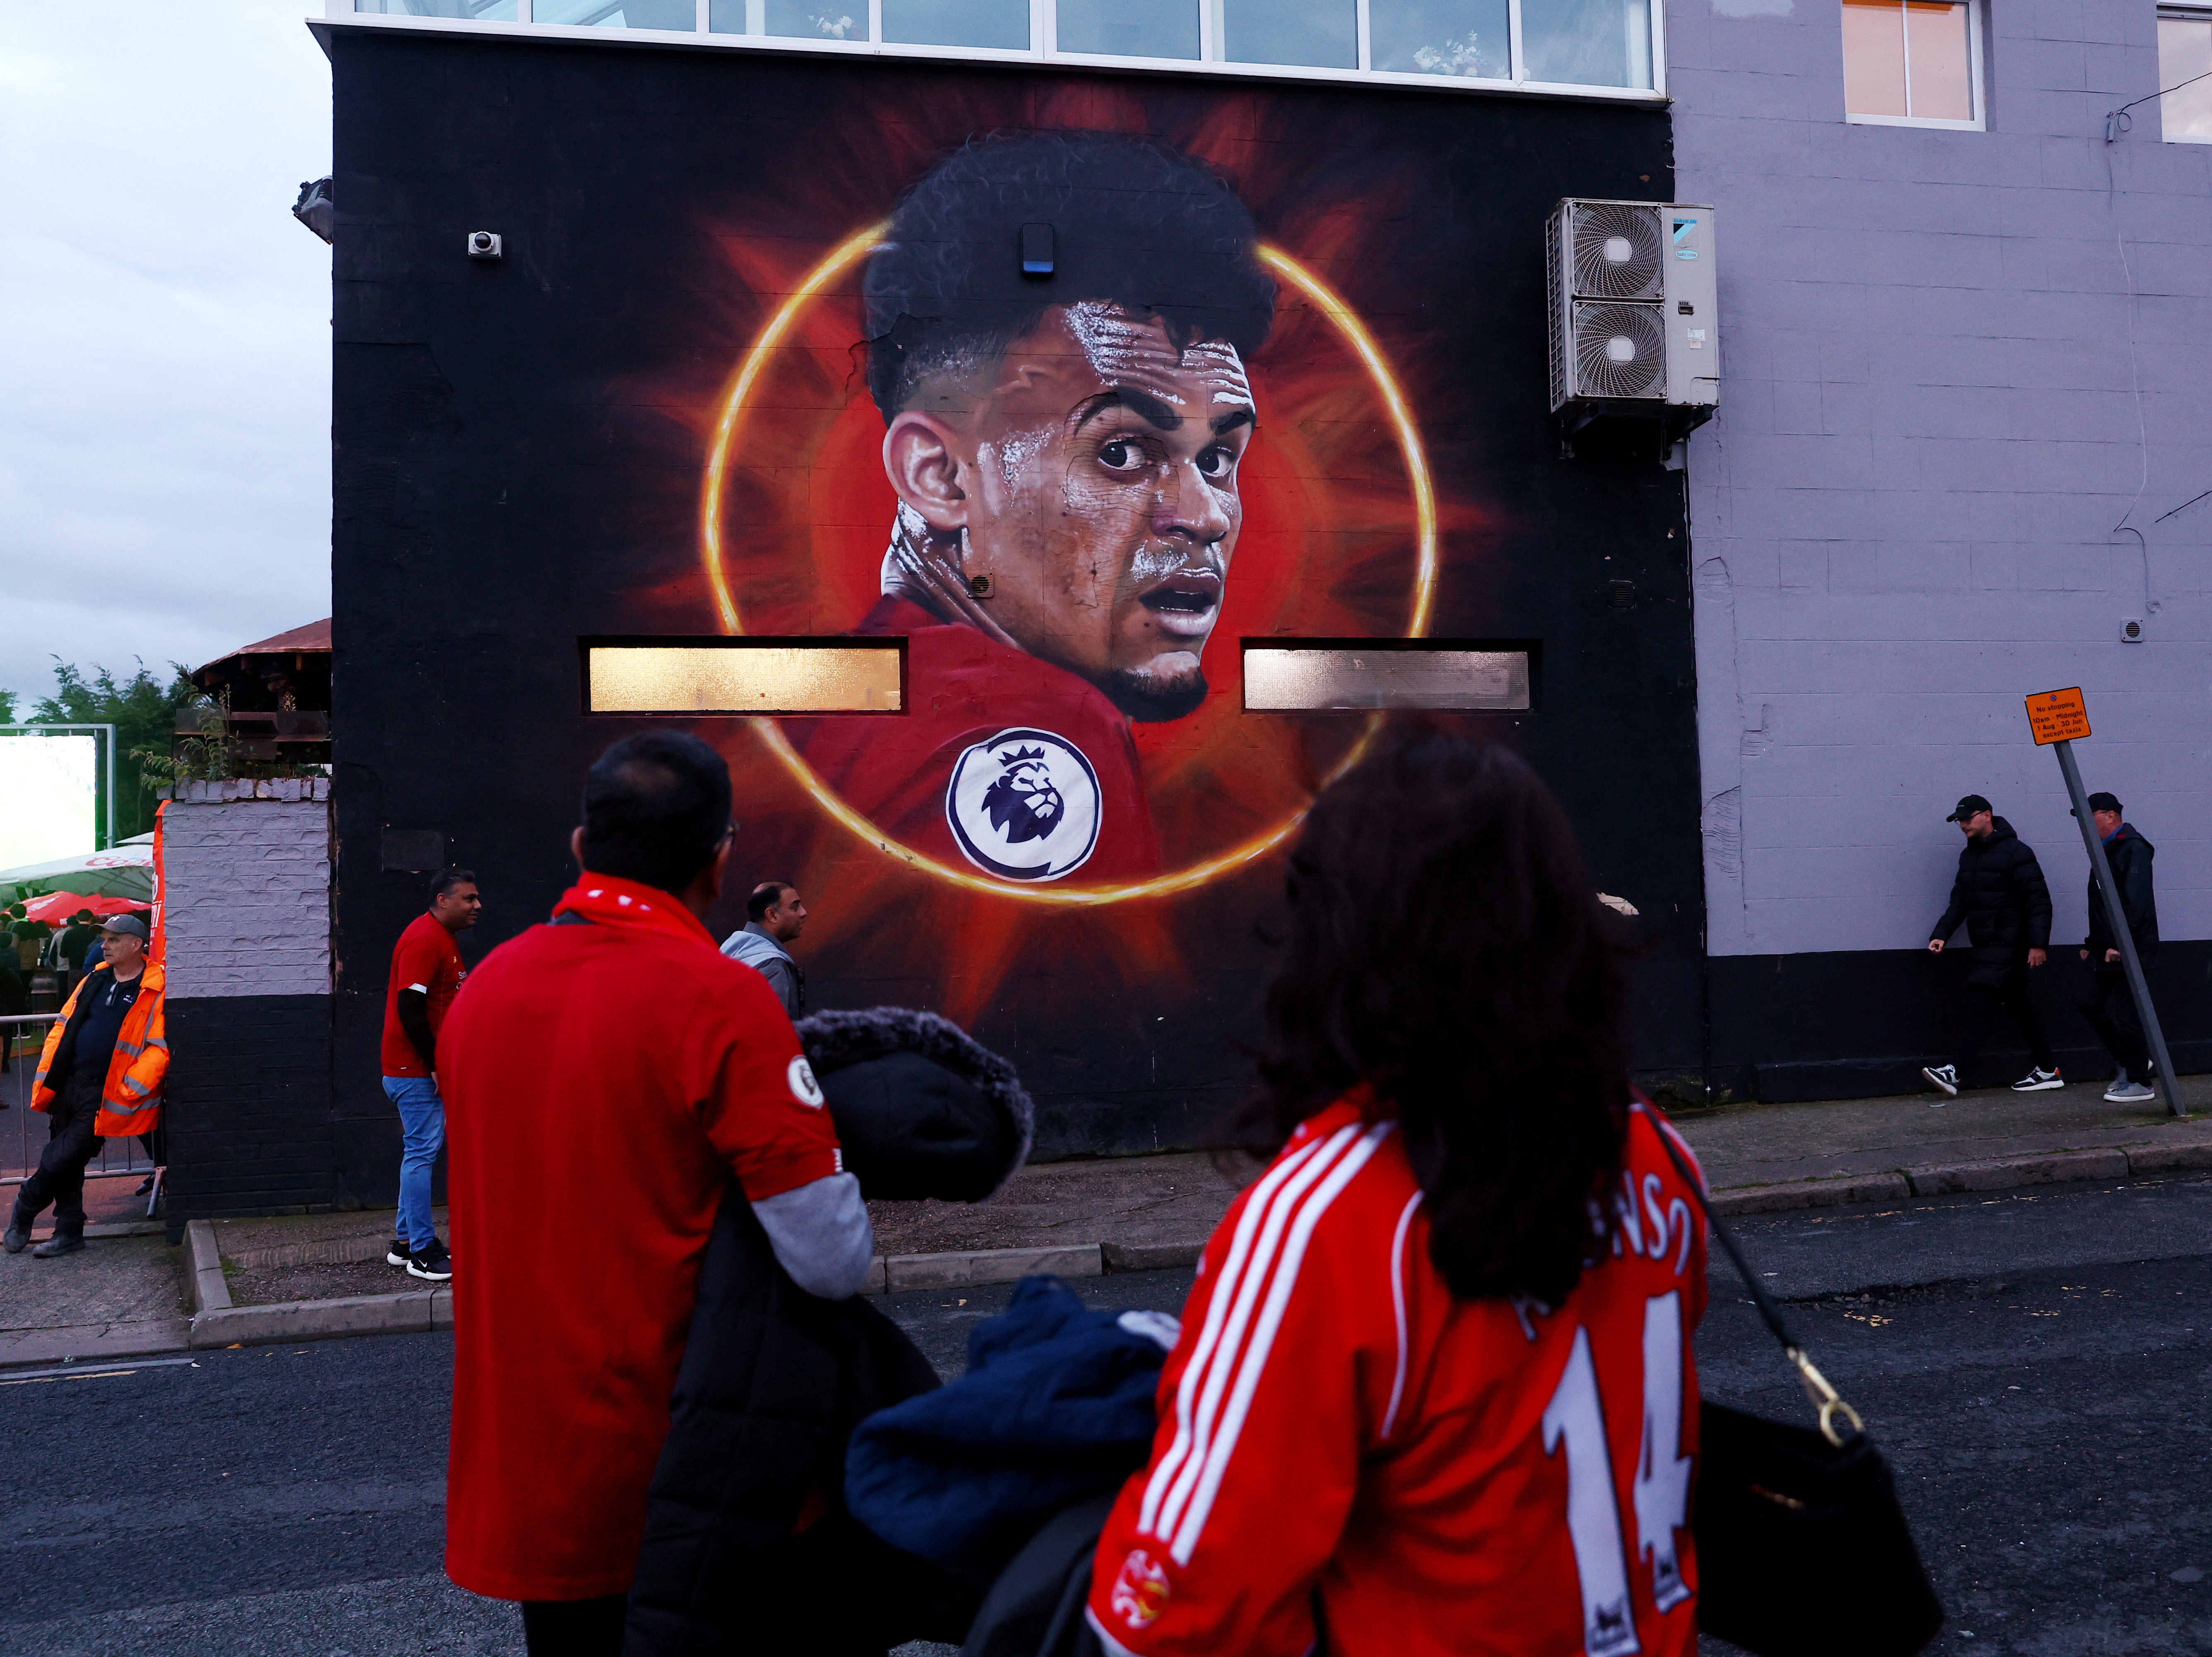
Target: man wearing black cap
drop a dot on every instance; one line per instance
(2110, 1006)
(2001, 895)
(101, 1076)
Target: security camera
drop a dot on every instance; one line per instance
(484, 245)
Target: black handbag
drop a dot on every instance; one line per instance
(1802, 1548)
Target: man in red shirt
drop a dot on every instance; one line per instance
(426, 976)
(613, 1071)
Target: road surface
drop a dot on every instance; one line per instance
(2036, 1363)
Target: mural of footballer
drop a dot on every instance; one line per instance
(1065, 448)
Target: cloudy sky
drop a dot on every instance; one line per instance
(165, 369)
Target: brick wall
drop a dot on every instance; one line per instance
(246, 906)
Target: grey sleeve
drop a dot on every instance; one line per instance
(821, 1235)
(781, 980)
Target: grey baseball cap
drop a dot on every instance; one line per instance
(125, 925)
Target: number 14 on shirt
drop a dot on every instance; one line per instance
(1576, 1418)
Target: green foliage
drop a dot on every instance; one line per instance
(144, 711)
(6, 707)
(214, 755)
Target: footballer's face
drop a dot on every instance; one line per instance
(1093, 469)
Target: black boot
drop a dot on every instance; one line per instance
(62, 1242)
(17, 1237)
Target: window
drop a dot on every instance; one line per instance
(993, 25)
(1911, 62)
(1323, 34)
(488, 11)
(1588, 43)
(1472, 37)
(744, 675)
(2185, 53)
(619, 13)
(1283, 676)
(1129, 29)
(1599, 45)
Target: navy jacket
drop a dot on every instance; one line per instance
(1056, 1406)
(2131, 856)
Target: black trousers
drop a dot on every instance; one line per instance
(1984, 1001)
(575, 1628)
(70, 1146)
(2109, 1009)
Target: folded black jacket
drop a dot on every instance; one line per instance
(747, 1545)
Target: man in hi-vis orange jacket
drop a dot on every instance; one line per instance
(100, 1077)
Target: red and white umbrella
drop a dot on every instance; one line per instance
(56, 908)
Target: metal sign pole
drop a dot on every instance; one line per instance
(2116, 914)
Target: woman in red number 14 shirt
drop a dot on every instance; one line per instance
(1434, 1391)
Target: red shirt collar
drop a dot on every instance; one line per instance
(613, 901)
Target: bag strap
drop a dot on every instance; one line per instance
(1822, 1396)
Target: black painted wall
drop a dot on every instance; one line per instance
(247, 1108)
(1860, 1023)
(510, 475)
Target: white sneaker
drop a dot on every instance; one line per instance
(1944, 1077)
(2038, 1080)
(2128, 1093)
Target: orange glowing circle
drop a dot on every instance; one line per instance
(732, 417)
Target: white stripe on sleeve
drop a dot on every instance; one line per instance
(1263, 1338)
(1222, 1368)
(1398, 1305)
(1217, 1310)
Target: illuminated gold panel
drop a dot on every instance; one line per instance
(1283, 679)
(743, 679)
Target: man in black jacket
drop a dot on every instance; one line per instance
(2000, 894)
(2110, 1006)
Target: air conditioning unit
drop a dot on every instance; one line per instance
(1633, 302)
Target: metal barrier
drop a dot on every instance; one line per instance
(23, 1131)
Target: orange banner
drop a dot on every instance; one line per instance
(154, 945)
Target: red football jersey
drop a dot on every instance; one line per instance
(1348, 1454)
(427, 959)
(1002, 763)
(603, 1082)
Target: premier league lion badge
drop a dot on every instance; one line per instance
(1023, 806)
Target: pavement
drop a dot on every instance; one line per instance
(306, 1276)
(2032, 1362)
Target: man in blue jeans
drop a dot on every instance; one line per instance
(426, 976)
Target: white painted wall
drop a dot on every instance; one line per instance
(247, 888)
(1968, 375)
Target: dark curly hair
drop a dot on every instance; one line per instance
(1134, 222)
(1445, 943)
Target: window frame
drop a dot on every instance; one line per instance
(1043, 49)
(588, 645)
(1979, 123)
(2194, 14)
(1530, 649)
